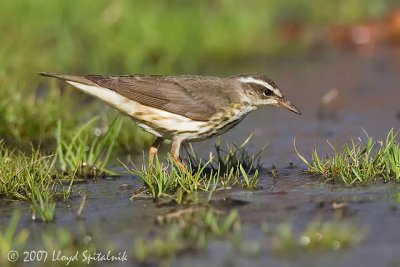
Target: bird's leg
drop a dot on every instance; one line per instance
(153, 151)
(176, 144)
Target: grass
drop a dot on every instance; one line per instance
(132, 139)
(192, 229)
(11, 239)
(28, 178)
(69, 243)
(43, 204)
(181, 231)
(228, 157)
(57, 36)
(56, 239)
(317, 236)
(35, 178)
(60, 37)
(32, 116)
(360, 162)
(171, 181)
(84, 157)
(233, 167)
(188, 230)
(201, 31)
(249, 182)
(32, 178)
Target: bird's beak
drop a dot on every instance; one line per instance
(289, 106)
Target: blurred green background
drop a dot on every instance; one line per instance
(218, 37)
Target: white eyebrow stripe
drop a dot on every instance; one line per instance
(260, 82)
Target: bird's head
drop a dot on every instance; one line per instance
(263, 91)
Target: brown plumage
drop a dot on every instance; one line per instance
(182, 95)
(182, 108)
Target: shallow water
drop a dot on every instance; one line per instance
(368, 94)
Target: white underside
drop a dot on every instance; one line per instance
(151, 119)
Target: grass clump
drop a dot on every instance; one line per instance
(69, 242)
(32, 178)
(188, 230)
(249, 182)
(11, 239)
(232, 167)
(331, 235)
(360, 162)
(32, 117)
(159, 181)
(84, 157)
(53, 239)
(229, 157)
(172, 181)
(317, 236)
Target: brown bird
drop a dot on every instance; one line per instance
(182, 108)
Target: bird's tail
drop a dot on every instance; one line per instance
(69, 78)
(87, 86)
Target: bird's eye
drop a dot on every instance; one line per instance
(268, 92)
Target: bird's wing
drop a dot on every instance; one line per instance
(171, 94)
(190, 96)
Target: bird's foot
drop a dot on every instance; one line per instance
(181, 166)
(179, 163)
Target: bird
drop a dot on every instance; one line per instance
(183, 108)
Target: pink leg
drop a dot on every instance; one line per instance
(176, 144)
(154, 149)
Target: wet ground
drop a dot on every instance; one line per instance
(367, 83)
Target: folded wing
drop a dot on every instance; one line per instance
(161, 92)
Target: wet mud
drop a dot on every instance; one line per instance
(364, 88)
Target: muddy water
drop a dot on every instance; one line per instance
(368, 96)
(367, 83)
